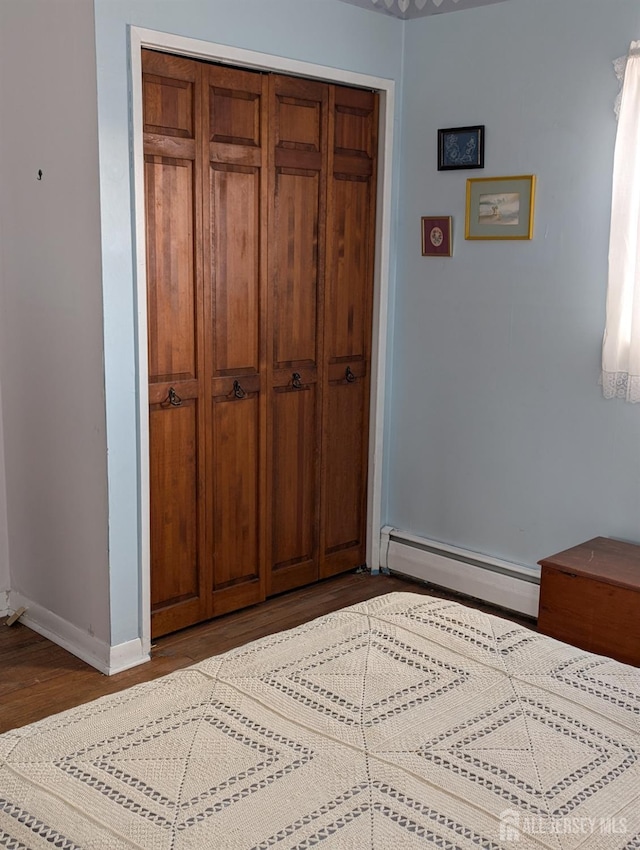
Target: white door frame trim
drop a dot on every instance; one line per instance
(167, 42)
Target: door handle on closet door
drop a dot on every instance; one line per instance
(174, 398)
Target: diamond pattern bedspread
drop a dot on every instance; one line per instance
(402, 722)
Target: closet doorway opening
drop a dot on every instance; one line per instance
(296, 398)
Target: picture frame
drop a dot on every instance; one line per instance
(461, 147)
(500, 207)
(436, 236)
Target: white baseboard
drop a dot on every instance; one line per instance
(107, 659)
(123, 656)
(4, 603)
(501, 583)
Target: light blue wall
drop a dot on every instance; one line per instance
(500, 440)
(325, 32)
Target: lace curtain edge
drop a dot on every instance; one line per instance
(620, 385)
(619, 67)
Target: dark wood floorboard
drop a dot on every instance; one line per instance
(39, 678)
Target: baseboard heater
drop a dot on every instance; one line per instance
(502, 583)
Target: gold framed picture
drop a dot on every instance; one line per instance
(500, 207)
(436, 236)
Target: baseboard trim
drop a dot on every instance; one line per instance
(510, 586)
(94, 651)
(126, 655)
(4, 603)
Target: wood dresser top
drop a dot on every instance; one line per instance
(609, 561)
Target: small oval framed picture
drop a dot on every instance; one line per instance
(436, 236)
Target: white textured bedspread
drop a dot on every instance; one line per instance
(402, 722)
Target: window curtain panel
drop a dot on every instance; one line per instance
(621, 344)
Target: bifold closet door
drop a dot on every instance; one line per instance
(234, 111)
(206, 188)
(347, 328)
(296, 246)
(176, 352)
(260, 207)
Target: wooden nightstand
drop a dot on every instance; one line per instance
(590, 597)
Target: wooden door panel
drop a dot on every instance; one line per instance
(235, 271)
(298, 146)
(298, 140)
(295, 285)
(168, 95)
(344, 479)
(349, 282)
(170, 268)
(298, 123)
(236, 500)
(347, 323)
(234, 117)
(177, 456)
(354, 133)
(235, 106)
(175, 491)
(235, 159)
(168, 107)
(293, 495)
(298, 115)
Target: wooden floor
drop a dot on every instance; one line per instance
(39, 678)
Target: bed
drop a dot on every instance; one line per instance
(401, 722)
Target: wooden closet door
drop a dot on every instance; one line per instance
(260, 205)
(235, 202)
(177, 410)
(347, 328)
(297, 168)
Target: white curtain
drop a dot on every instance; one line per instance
(621, 345)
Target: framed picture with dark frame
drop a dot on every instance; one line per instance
(461, 147)
(436, 236)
